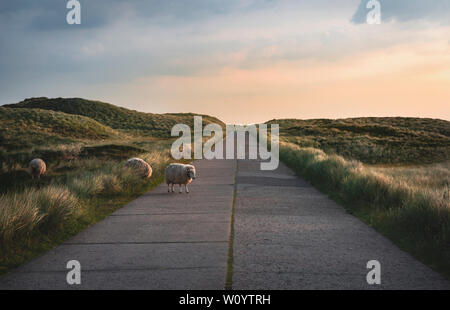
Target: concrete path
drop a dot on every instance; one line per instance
(287, 235)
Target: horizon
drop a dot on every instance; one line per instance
(242, 61)
(226, 123)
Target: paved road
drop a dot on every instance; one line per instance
(287, 235)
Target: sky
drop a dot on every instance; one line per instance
(244, 61)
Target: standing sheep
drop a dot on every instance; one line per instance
(179, 174)
(140, 165)
(37, 168)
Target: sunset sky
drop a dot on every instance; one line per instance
(243, 61)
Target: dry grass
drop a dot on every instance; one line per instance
(433, 179)
(26, 212)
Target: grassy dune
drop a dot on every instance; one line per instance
(25, 128)
(155, 125)
(382, 140)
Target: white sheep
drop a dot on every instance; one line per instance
(37, 168)
(179, 174)
(139, 164)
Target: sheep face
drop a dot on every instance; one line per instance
(190, 173)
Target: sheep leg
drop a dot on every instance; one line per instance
(173, 190)
(187, 189)
(168, 187)
(181, 188)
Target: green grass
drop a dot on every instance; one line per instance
(433, 178)
(156, 125)
(27, 128)
(116, 151)
(34, 209)
(383, 140)
(414, 218)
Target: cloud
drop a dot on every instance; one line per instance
(50, 14)
(127, 39)
(407, 10)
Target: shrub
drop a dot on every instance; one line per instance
(86, 184)
(56, 204)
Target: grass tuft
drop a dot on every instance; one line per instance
(34, 209)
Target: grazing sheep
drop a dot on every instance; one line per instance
(141, 165)
(37, 168)
(179, 174)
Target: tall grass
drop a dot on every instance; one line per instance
(434, 178)
(34, 209)
(383, 140)
(411, 216)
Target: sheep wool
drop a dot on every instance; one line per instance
(37, 168)
(179, 174)
(139, 165)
